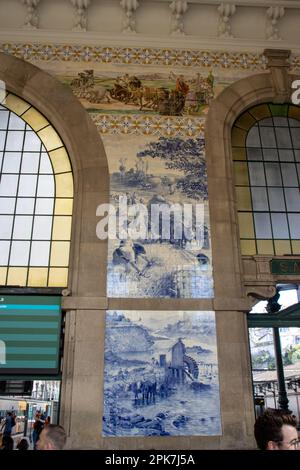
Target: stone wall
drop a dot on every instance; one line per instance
(244, 82)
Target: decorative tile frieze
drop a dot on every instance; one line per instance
(295, 63)
(161, 126)
(136, 56)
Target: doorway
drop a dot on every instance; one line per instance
(27, 399)
(275, 330)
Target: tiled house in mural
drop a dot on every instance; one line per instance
(161, 374)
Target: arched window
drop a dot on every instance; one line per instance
(36, 199)
(266, 154)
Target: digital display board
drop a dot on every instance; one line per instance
(30, 328)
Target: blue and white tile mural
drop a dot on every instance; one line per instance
(159, 171)
(161, 374)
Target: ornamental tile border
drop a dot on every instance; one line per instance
(138, 56)
(295, 63)
(159, 126)
(141, 56)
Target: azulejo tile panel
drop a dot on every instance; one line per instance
(136, 55)
(158, 249)
(161, 374)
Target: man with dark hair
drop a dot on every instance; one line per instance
(276, 430)
(8, 424)
(52, 437)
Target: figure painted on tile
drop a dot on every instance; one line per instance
(160, 175)
(172, 94)
(181, 85)
(132, 256)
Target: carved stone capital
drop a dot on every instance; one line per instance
(278, 64)
(226, 11)
(256, 293)
(80, 7)
(277, 57)
(32, 18)
(273, 14)
(178, 8)
(129, 7)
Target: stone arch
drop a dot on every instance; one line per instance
(273, 85)
(87, 270)
(223, 111)
(231, 291)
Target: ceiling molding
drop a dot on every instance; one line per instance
(136, 40)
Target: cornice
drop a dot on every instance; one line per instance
(141, 41)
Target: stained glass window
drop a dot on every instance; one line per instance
(266, 154)
(36, 199)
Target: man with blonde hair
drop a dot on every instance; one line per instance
(52, 437)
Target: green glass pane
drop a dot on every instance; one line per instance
(279, 109)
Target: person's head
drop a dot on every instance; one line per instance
(276, 430)
(52, 437)
(7, 443)
(23, 444)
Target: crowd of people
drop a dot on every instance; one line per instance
(273, 430)
(43, 435)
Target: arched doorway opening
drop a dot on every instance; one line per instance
(274, 339)
(47, 98)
